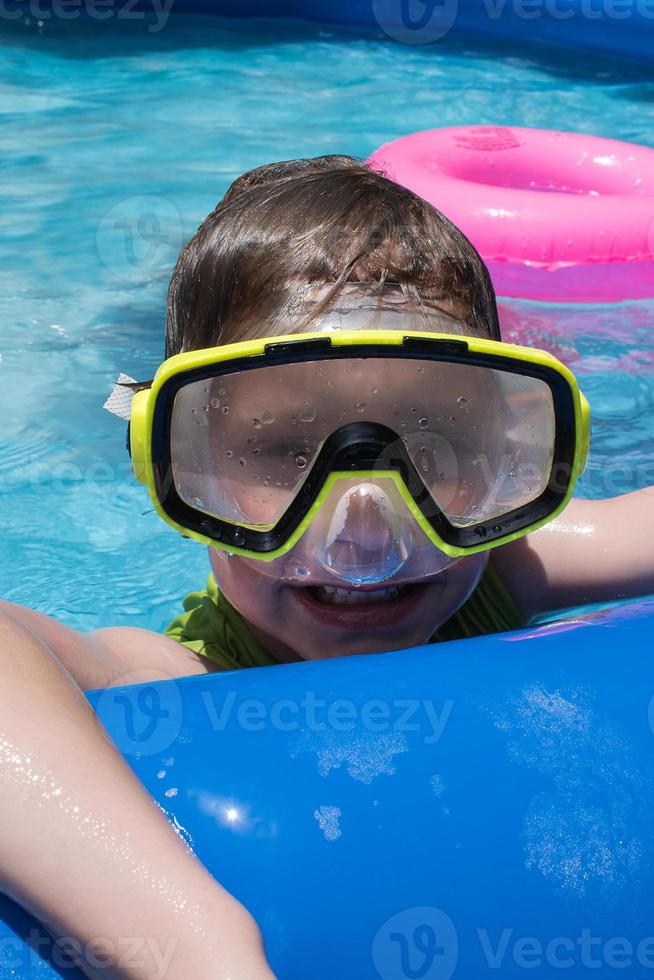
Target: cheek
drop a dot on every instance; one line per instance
(254, 594)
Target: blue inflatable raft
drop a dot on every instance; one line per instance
(469, 810)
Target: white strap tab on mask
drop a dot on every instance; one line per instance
(119, 401)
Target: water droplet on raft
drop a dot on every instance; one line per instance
(198, 502)
(423, 422)
(267, 418)
(215, 403)
(229, 453)
(207, 407)
(256, 451)
(241, 461)
(308, 415)
(462, 402)
(300, 462)
(257, 423)
(251, 441)
(225, 409)
(374, 390)
(360, 407)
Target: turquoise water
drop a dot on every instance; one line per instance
(115, 142)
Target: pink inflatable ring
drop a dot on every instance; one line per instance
(556, 216)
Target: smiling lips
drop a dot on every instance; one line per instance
(363, 609)
(331, 595)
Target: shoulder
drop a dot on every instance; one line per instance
(133, 652)
(105, 657)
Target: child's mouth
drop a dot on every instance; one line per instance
(362, 608)
(333, 596)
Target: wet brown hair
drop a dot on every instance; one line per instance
(284, 228)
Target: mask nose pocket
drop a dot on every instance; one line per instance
(364, 533)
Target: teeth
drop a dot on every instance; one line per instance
(331, 594)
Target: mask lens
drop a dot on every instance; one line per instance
(481, 440)
(489, 447)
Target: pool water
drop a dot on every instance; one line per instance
(115, 142)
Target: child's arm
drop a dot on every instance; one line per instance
(596, 551)
(84, 847)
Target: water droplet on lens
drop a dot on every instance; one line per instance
(423, 422)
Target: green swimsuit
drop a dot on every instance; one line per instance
(211, 627)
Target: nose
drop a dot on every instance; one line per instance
(363, 537)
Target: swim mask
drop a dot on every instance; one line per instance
(362, 448)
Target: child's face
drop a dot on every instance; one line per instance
(296, 619)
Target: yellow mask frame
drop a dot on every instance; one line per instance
(235, 538)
